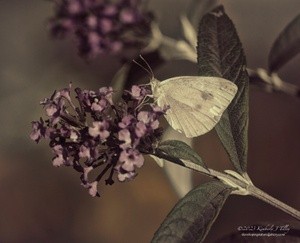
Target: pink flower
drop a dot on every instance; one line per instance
(59, 159)
(99, 129)
(99, 105)
(38, 130)
(128, 16)
(115, 141)
(102, 26)
(140, 129)
(126, 176)
(124, 135)
(126, 121)
(144, 117)
(130, 158)
(84, 152)
(92, 187)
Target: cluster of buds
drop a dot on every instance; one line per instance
(102, 26)
(97, 135)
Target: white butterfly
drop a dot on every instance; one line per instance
(196, 103)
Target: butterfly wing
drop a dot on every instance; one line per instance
(196, 103)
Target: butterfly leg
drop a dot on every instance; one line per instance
(143, 101)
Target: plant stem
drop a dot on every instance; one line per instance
(177, 50)
(270, 82)
(259, 194)
(182, 50)
(256, 192)
(247, 188)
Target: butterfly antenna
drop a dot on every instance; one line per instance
(140, 65)
(148, 66)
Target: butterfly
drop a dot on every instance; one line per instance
(195, 103)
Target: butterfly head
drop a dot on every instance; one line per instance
(154, 83)
(154, 87)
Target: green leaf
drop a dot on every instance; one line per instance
(180, 150)
(286, 45)
(220, 54)
(192, 217)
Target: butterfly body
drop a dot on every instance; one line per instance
(196, 104)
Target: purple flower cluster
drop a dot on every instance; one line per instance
(102, 25)
(97, 135)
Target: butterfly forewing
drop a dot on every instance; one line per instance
(196, 103)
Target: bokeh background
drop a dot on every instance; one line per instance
(40, 203)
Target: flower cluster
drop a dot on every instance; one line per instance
(98, 135)
(102, 25)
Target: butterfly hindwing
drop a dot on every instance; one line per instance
(182, 118)
(196, 103)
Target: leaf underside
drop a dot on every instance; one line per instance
(286, 46)
(220, 54)
(191, 218)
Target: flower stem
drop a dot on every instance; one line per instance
(256, 192)
(250, 189)
(244, 187)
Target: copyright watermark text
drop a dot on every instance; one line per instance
(269, 230)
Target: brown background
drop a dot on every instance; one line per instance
(39, 203)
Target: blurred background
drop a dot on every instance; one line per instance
(40, 203)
